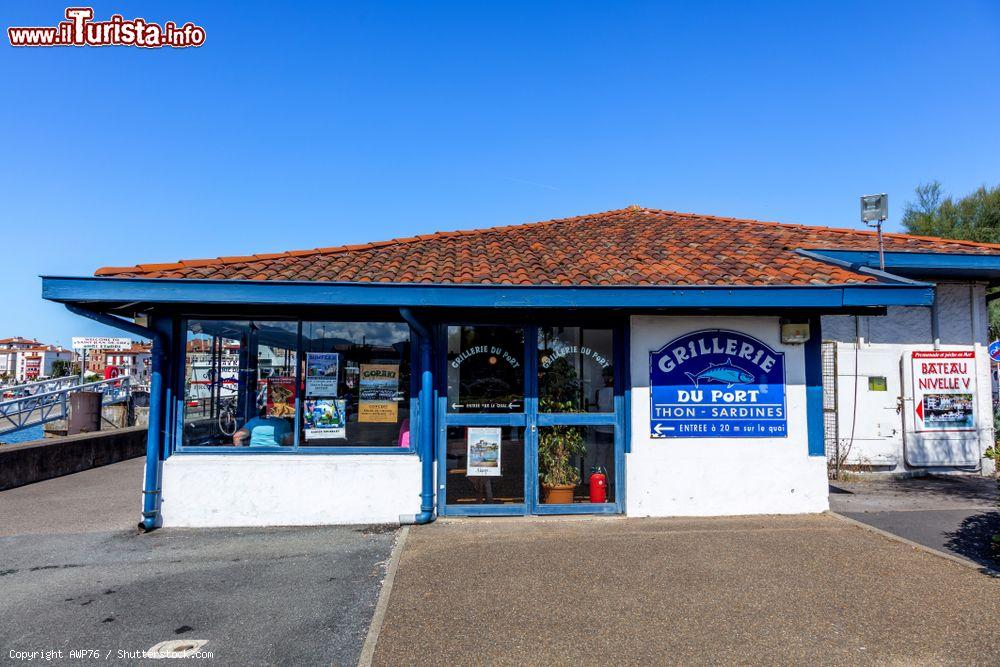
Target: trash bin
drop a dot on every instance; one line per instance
(84, 412)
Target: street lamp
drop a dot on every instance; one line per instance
(875, 209)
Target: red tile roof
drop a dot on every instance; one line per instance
(631, 246)
(18, 340)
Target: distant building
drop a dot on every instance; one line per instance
(133, 362)
(27, 359)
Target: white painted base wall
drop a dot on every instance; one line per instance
(723, 480)
(721, 476)
(206, 490)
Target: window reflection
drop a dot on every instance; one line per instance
(215, 386)
(246, 382)
(485, 373)
(275, 398)
(356, 378)
(575, 369)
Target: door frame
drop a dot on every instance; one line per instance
(530, 420)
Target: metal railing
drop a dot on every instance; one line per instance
(38, 386)
(51, 404)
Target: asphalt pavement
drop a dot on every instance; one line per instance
(755, 590)
(951, 513)
(75, 574)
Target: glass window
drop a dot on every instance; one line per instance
(356, 384)
(276, 390)
(568, 456)
(575, 371)
(215, 387)
(485, 373)
(496, 473)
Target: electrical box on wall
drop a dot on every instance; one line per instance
(794, 333)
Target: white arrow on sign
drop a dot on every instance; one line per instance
(660, 428)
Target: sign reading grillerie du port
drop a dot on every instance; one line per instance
(717, 384)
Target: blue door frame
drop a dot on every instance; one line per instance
(531, 420)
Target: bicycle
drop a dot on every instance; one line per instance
(227, 416)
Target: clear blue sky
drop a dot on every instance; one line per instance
(317, 124)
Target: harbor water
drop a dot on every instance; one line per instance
(36, 432)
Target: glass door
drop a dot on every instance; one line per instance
(483, 448)
(530, 420)
(578, 445)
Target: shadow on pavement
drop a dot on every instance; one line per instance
(974, 539)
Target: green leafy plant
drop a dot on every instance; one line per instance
(557, 445)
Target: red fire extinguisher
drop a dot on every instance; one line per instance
(598, 485)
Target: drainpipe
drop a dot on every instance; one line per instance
(151, 485)
(426, 437)
(936, 321)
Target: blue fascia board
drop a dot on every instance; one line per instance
(988, 266)
(220, 292)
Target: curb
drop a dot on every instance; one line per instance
(371, 640)
(982, 569)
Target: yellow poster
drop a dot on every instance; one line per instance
(378, 389)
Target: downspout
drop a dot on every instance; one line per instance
(151, 485)
(426, 437)
(936, 321)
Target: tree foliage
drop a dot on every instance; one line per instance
(974, 217)
(61, 368)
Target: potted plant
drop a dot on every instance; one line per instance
(557, 445)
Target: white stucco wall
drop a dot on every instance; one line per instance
(720, 476)
(872, 431)
(208, 490)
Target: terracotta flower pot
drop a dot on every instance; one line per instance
(560, 494)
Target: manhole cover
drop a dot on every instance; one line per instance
(176, 648)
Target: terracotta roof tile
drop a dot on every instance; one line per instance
(631, 246)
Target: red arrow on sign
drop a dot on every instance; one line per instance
(920, 410)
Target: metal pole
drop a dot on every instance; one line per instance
(881, 248)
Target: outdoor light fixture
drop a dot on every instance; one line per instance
(794, 333)
(875, 211)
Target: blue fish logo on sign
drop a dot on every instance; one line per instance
(717, 383)
(726, 374)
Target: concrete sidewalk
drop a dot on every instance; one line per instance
(762, 590)
(101, 499)
(76, 574)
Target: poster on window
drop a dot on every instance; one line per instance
(483, 452)
(351, 373)
(281, 397)
(325, 419)
(377, 393)
(322, 370)
(944, 390)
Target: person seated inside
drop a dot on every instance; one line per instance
(265, 431)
